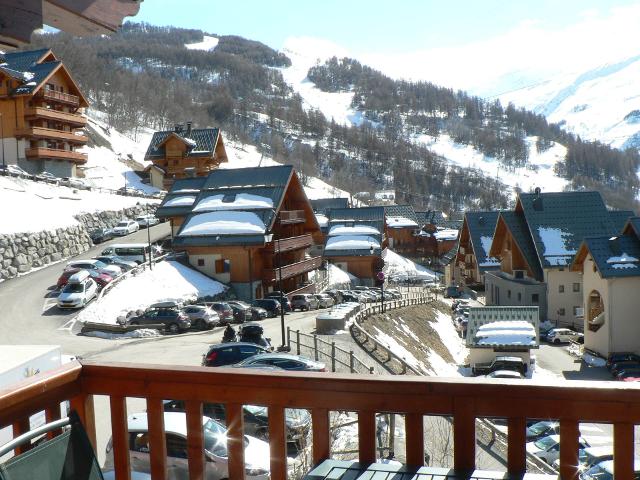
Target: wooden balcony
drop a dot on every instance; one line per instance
(200, 164)
(74, 119)
(292, 216)
(41, 132)
(59, 97)
(291, 243)
(288, 271)
(464, 399)
(55, 154)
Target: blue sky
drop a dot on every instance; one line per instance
(372, 26)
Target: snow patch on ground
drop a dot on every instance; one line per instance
(398, 266)
(168, 281)
(450, 337)
(338, 277)
(208, 44)
(400, 351)
(140, 333)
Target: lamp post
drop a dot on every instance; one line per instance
(2, 140)
(380, 278)
(283, 347)
(149, 242)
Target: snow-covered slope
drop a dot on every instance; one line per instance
(208, 43)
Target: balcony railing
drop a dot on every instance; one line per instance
(51, 114)
(571, 402)
(59, 97)
(292, 216)
(42, 132)
(288, 271)
(56, 153)
(291, 243)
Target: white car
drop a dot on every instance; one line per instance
(79, 290)
(324, 300)
(256, 452)
(91, 264)
(125, 227)
(563, 335)
(145, 221)
(548, 448)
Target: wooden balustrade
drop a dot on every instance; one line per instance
(61, 97)
(291, 216)
(465, 399)
(293, 269)
(290, 243)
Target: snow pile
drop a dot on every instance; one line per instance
(223, 223)
(34, 206)
(554, 242)
(208, 44)
(511, 332)
(322, 220)
(402, 268)
(168, 281)
(450, 337)
(446, 234)
(139, 333)
(240, 201)
(400, 222)
(338, 277)
(355, 230)
(352, 242)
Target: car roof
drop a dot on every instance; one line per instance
(237, 344)
(289, 356)
(76, 262)
(174, 422)
(510, 373)
(608, 465)
(79, 276)
(599, 450)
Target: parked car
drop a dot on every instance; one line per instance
(223, 354)
(97, 265)
(563, 335)
(625, 365)
(541, 429)
(547, 448)
(271, 305)
(621, 357)
(125, 265)
(304, 301)
(166, 314)
(47, 177)
(590, 456)
(256, 419)
(254, 333)
(224, 311)
(452, 292)
(283, 299)
(201, 316)
(604, 471)
(500, 363)
(512, 374)
(14, 171)
(102, 279)
(393, 294)
(241, 313)
(627, 371)
(148, 220)
(125, 227)
(73, 182)
(101, 235)
(79, 290)
(256, 452)
(336, 295)
(257, 313)
(286, 361)
(324, 300)
(350, 297)
(134, 252)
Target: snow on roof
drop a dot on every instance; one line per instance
(239, 201)
(511, 332)
(352, 242)
(620, 266)
(354, 230)
(397, 265)
(486, 246)
(446, 234)
(182, 201)
(322, 220)
(189, 141)
(624, 258)
(555, 250)
(223, 223)
(186, 190)
(400, 222)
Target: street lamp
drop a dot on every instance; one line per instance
(283, 347)
(380, 278)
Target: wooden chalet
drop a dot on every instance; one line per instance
(355, 240)
(41, 117)
(535, 245)
(472, 255)
(402, 228)
(321, 208)
(246, 227)
(182, 153)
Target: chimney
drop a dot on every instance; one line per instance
(189, 123)
(178, 127)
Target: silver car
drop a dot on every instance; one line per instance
(324, 300)
(304, 301)
(201, 317)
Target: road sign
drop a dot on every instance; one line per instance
(380, 276)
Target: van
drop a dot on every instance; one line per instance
(136, 252)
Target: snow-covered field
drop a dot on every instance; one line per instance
(398, 266)
(208, 43)
(34, 206)
(168, 281)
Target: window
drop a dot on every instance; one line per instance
(576, 287)
(561, 312)
(535, 298)
(561, 288)
(578, 311)
(201, 262)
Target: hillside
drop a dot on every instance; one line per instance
(338, 120)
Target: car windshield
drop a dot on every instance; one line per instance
(597, 473)
(123, 224)
(215, 439)
(545, 443)
(538, 428)
(100, 264)
(256, 410)
(73, 288)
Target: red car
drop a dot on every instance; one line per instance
(101, 279)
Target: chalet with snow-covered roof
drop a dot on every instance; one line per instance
(41, 117)
(610, 268)
(321, 208)
(402, 229)
(536, 244)
(248, 227)
(184, 152)
(472, 257)
(355, 240)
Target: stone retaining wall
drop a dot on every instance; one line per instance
(22, 252)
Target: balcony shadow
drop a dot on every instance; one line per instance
(587, 372)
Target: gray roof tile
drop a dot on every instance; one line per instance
(482, 225)
(205, 139)
(615, 256)
(520, 232)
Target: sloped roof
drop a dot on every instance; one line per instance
(23, 61)
(618, 219)
(401, 212)
(482, 226)
(323, 205)
(558, 222)
(175, 201)
(517, 225)
(40, 72)
(614, 256)
(205, 142)
(275, 176)
(632, 226)
(369, 216)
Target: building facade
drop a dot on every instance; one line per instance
(472, 256)
(41, 118)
